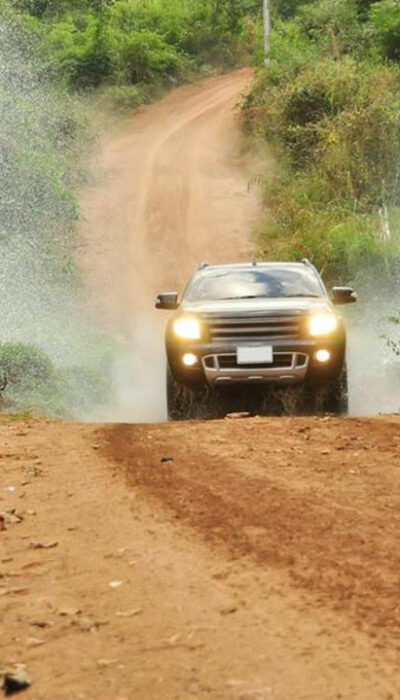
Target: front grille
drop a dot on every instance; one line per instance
(234, 329)
(280, 360)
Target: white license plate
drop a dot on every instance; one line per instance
(254, 355)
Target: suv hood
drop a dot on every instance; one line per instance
(258, 306)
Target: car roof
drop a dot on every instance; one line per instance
(205, 268)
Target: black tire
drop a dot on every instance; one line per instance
(175, 399)
(185, 402)
(332, 397)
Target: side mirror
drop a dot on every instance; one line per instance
(167, 301)
(343, 295)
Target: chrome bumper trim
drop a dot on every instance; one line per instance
(291, 374)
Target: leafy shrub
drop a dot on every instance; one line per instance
(79, 50)
(385, 20)
(24, 367)
(91, 42)
(333, 26)
(146, 57)
(335, 128)
(304, 221)
(123, 97)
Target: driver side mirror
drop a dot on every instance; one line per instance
(343, 295)
(167, 301)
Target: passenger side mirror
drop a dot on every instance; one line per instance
(343, 295)
(167, 301)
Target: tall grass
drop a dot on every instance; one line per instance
(330, 110)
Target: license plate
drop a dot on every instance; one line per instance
(251, 355)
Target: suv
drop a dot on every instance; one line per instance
(272, 325)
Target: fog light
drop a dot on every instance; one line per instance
(323, 355)
(189, 360)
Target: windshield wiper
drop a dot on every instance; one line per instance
(250, 296)
(275, 296)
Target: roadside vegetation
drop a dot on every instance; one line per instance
(53, 53)
(328, 106)
(45, 341)
(131, 50)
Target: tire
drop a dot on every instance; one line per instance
(175, 400)
(332, 397)
(185, 402)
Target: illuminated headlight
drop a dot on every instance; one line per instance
(323, 356)
(187, 328)
(322, 324)
(189, 360)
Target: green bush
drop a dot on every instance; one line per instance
(28, 380)
(123, 97)
(385, 20)
(334, 126)
(334, 26)
(24, 367)
(78, 50)
(91, 42)
(304, 221)
(145, 57)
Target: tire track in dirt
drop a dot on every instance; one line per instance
(278, 500)
(159, 587)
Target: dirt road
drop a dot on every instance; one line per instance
(175, 192)
(253, 559)
(259, 560)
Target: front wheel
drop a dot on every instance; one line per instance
(185, 402)
(331, 397)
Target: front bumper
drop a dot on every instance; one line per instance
(222, 368)
(293, 362)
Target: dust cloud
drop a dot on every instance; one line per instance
(373, 366)
(42, 139)
(139, 372)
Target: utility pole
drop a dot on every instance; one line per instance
(267, 32)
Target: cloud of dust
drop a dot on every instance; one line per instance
(139, 371)
(41, 138)
(373, 366)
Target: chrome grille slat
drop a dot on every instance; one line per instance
(254, 327)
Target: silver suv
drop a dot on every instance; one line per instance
(269, 325)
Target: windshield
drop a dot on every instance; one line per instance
(254, 283)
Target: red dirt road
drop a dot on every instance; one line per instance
(252, 559)
(175, 192)
(260, 561)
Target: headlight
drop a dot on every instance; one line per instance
(187, 328)
(323, 324)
